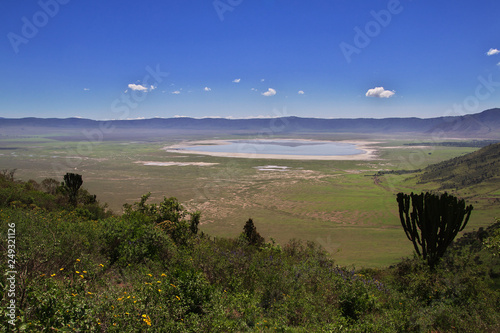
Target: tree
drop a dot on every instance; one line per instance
(251, 235)
(492, 243)
(195, 220)
(50, 185)
(169, 215)
(8, 174)
(433, 222)
(72, 183)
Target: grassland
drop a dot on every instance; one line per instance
(338, 204)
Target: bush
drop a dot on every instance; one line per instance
(133, 240)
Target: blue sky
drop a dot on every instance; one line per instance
(248, 58)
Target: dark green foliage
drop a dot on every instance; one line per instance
(134, 239)
(54, 197)
(126, 274)
(50, 185)
(467, 170)
(8, 174)
(72, 183)
(169, 215)
(433, 222)
(251, 235)
(472, 143)
(194, 222)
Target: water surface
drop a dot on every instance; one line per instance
(281, 147)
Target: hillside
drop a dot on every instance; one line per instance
(481, 125)
(150, 270)
(471, 169)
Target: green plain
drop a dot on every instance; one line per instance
(338, 204)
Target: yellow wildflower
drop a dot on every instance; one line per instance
(78, 260)
(146, 319)
(84, 272)
(62, 269)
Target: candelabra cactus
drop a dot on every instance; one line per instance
(433, 222)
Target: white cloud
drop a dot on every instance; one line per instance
(262, 80)
(379, 92)
(269, 92)
(492, 52)
(207, 89)
(86, 89)
(151, 88)
(498, 64)
(236, 80)
(253, 89)
(177, 92)
(137, 87)
(301, 92)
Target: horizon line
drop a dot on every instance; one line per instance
(244, 118)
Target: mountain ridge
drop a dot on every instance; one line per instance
(483, 124)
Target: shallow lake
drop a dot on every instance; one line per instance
(281, 147)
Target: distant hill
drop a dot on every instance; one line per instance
(481, 125)
(471, 169)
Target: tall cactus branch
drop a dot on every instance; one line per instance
(432, 223)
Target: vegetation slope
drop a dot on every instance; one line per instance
(463, 171)
(82, 269)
